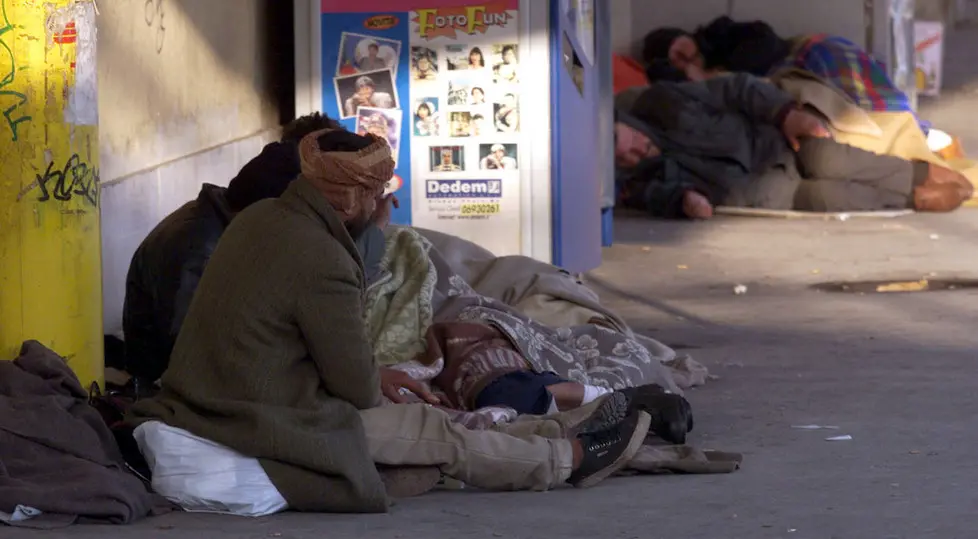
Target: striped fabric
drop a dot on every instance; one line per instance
(851, 69)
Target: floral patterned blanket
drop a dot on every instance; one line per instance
(419, 287)
(588, 354)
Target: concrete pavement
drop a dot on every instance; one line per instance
(896, 372)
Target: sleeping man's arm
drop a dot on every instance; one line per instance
(752, 96)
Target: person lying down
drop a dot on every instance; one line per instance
(754, 47)
(683, 148)
(273, 362)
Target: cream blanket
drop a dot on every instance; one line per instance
(886, 133)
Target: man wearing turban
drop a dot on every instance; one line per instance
(167, 265)
(274, 361)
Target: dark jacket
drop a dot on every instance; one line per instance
(716, 137)
(167, 266)
(163, 276)
(274, 359)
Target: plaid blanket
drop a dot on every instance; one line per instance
(848, 67)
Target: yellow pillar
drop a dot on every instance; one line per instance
(50, 245)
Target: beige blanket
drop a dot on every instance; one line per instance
(886, 133)
(542, 292)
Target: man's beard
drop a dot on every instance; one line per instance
(357, 225)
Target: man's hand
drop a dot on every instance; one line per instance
(800, 124)
(696, 73)
(382, 215)
(392, 380)
(696, 206)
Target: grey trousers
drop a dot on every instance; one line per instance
(838, 177)
(826, 176)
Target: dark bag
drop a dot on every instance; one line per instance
(113, 407)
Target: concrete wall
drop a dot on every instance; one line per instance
(185, 97)
(950, 12)
(635, 18)
(935, 10)
(621, 26)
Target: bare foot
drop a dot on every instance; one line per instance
(696, 206)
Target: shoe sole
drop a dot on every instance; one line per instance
(634, 444)
(612, 410)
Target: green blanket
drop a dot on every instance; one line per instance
(399, 303)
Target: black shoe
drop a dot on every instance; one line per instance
(671, 414)
(612, 410)
(608, 451)
(672, 417)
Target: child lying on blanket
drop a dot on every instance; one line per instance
(473, 367)
(484, 355)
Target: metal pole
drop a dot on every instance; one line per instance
(904, 64)
(50, 244)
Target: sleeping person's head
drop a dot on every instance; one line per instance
(632, 146)
(673, 46)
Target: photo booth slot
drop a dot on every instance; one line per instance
(499, 113)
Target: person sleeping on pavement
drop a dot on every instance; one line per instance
(684, 147)
(753, 47)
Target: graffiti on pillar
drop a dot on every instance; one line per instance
(76, 179)
(153, 14)
(8, 73)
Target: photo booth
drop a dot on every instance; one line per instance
(499, 113)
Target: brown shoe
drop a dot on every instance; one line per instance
(942, 175)
(942, 191)
(409, 481)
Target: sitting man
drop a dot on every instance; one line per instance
(683, 148)
(167, 266)
(274, 360)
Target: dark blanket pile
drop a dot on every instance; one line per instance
(57, 455)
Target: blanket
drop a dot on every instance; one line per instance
(587, 343)
(848, 67)
(841, 112)
(886, 133)
(589, 354)
(399, 316)
(547, 295)
(473, 355)
(543, 292)
(399, 301)
(59, 462)
(683, 459)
